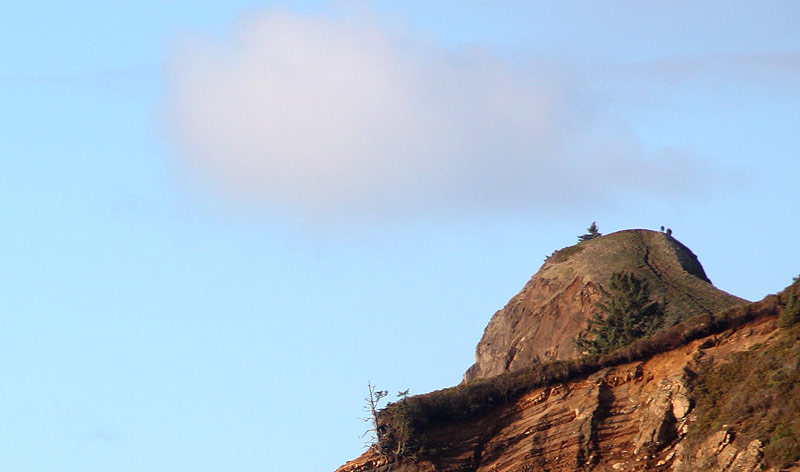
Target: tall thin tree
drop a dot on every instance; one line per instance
(372, 406)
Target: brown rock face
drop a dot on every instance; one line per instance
(540, 322)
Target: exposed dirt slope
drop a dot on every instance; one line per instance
(540, 322)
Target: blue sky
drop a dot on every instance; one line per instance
(221, 219)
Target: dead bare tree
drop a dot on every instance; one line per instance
(373, 433)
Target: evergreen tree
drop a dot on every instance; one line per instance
(790, 315)
(626, 314)
(592, 233)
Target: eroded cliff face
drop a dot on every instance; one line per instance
(540, 323)
(522, 408)
(631, 417)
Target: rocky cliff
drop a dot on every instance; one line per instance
(540, 323)
(719, 390)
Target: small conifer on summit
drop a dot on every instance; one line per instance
(592, 233)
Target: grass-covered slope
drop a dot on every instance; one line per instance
(756, 393)
(671, 269)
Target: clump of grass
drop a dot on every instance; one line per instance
(562, 255)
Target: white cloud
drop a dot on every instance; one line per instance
(333, 117)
